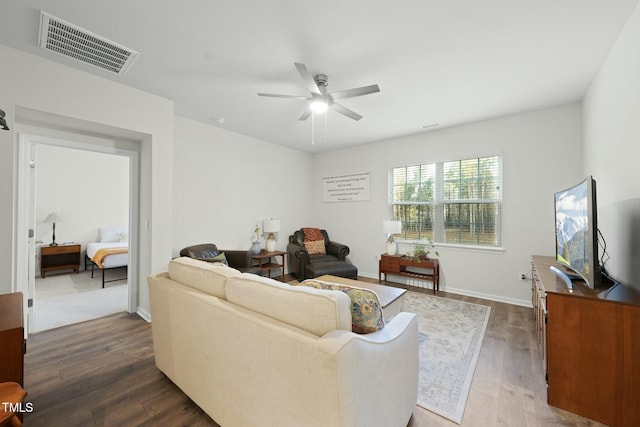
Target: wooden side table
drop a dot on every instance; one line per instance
(396, 265)
(264, 262)
(61, 257)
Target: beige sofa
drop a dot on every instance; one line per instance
(251, 351)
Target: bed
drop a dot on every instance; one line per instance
(111, 252)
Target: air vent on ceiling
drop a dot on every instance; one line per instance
(70, 40)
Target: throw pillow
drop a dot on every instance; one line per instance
(111, 234)
(312, 234)
(221, 257)
(315, 247)
(366, 312)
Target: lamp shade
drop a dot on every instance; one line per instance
(392, 227)
(52, 218)
(271, 225)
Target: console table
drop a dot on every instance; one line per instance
(61, 257)
(588, 340)
(264, 261)
(401, 265)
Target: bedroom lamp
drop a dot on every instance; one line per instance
(52, 218)
(390, 228)
(270, 227)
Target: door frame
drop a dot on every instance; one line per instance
(25, 258)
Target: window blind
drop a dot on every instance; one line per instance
(450, 202)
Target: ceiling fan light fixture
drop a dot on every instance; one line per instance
(319, 106)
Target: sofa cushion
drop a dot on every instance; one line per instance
(205, 276)
(313, 310)
(366, 311)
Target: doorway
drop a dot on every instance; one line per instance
(81, 228)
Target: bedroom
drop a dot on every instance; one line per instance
(87, 190)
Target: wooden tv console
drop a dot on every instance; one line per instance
(589, 341)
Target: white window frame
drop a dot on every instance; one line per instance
(439, 201)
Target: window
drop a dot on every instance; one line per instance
(450, 202)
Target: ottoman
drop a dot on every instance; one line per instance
(335, 268)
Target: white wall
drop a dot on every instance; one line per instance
(87, 190)
(223, 183)
(541, 154)
(612, 151)
(30, 82)
(226, 183)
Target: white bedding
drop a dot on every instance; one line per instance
(110, 261)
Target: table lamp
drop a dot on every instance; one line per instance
(52, 218)
(270, 227)
(390, 228)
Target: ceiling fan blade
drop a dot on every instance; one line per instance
(308, 78)
(359, 91)
(347, 112)
(274, 95)
(305, 115)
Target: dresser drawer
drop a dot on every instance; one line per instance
(390, 264)
(55, 250)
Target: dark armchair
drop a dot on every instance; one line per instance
(304, 265)
(240, 260)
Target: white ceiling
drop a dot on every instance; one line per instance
(436, 61)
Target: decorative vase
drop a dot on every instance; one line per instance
(255, 248)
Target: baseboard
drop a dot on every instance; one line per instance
(490, 297)
(458, 291)
(143, 313)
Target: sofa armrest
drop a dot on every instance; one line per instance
(298, 259)
(366, 363)
(241, 260)
(299, 252)
(338, 250)
(402, 323)
(236, 258)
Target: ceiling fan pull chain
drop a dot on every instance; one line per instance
(313, 133)
(326, 127)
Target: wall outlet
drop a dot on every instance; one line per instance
(523, 276)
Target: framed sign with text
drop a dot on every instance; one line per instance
(351, 187)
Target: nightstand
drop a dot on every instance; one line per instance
(61, 257)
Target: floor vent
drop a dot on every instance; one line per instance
(70, 40)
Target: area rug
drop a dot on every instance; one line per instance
(450, 339)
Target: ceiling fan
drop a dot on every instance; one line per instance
(320, 100)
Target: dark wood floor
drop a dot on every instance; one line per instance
(102, 373)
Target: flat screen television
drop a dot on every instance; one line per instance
(577, 232)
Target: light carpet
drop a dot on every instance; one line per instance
(72, 298)
(451, 335)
